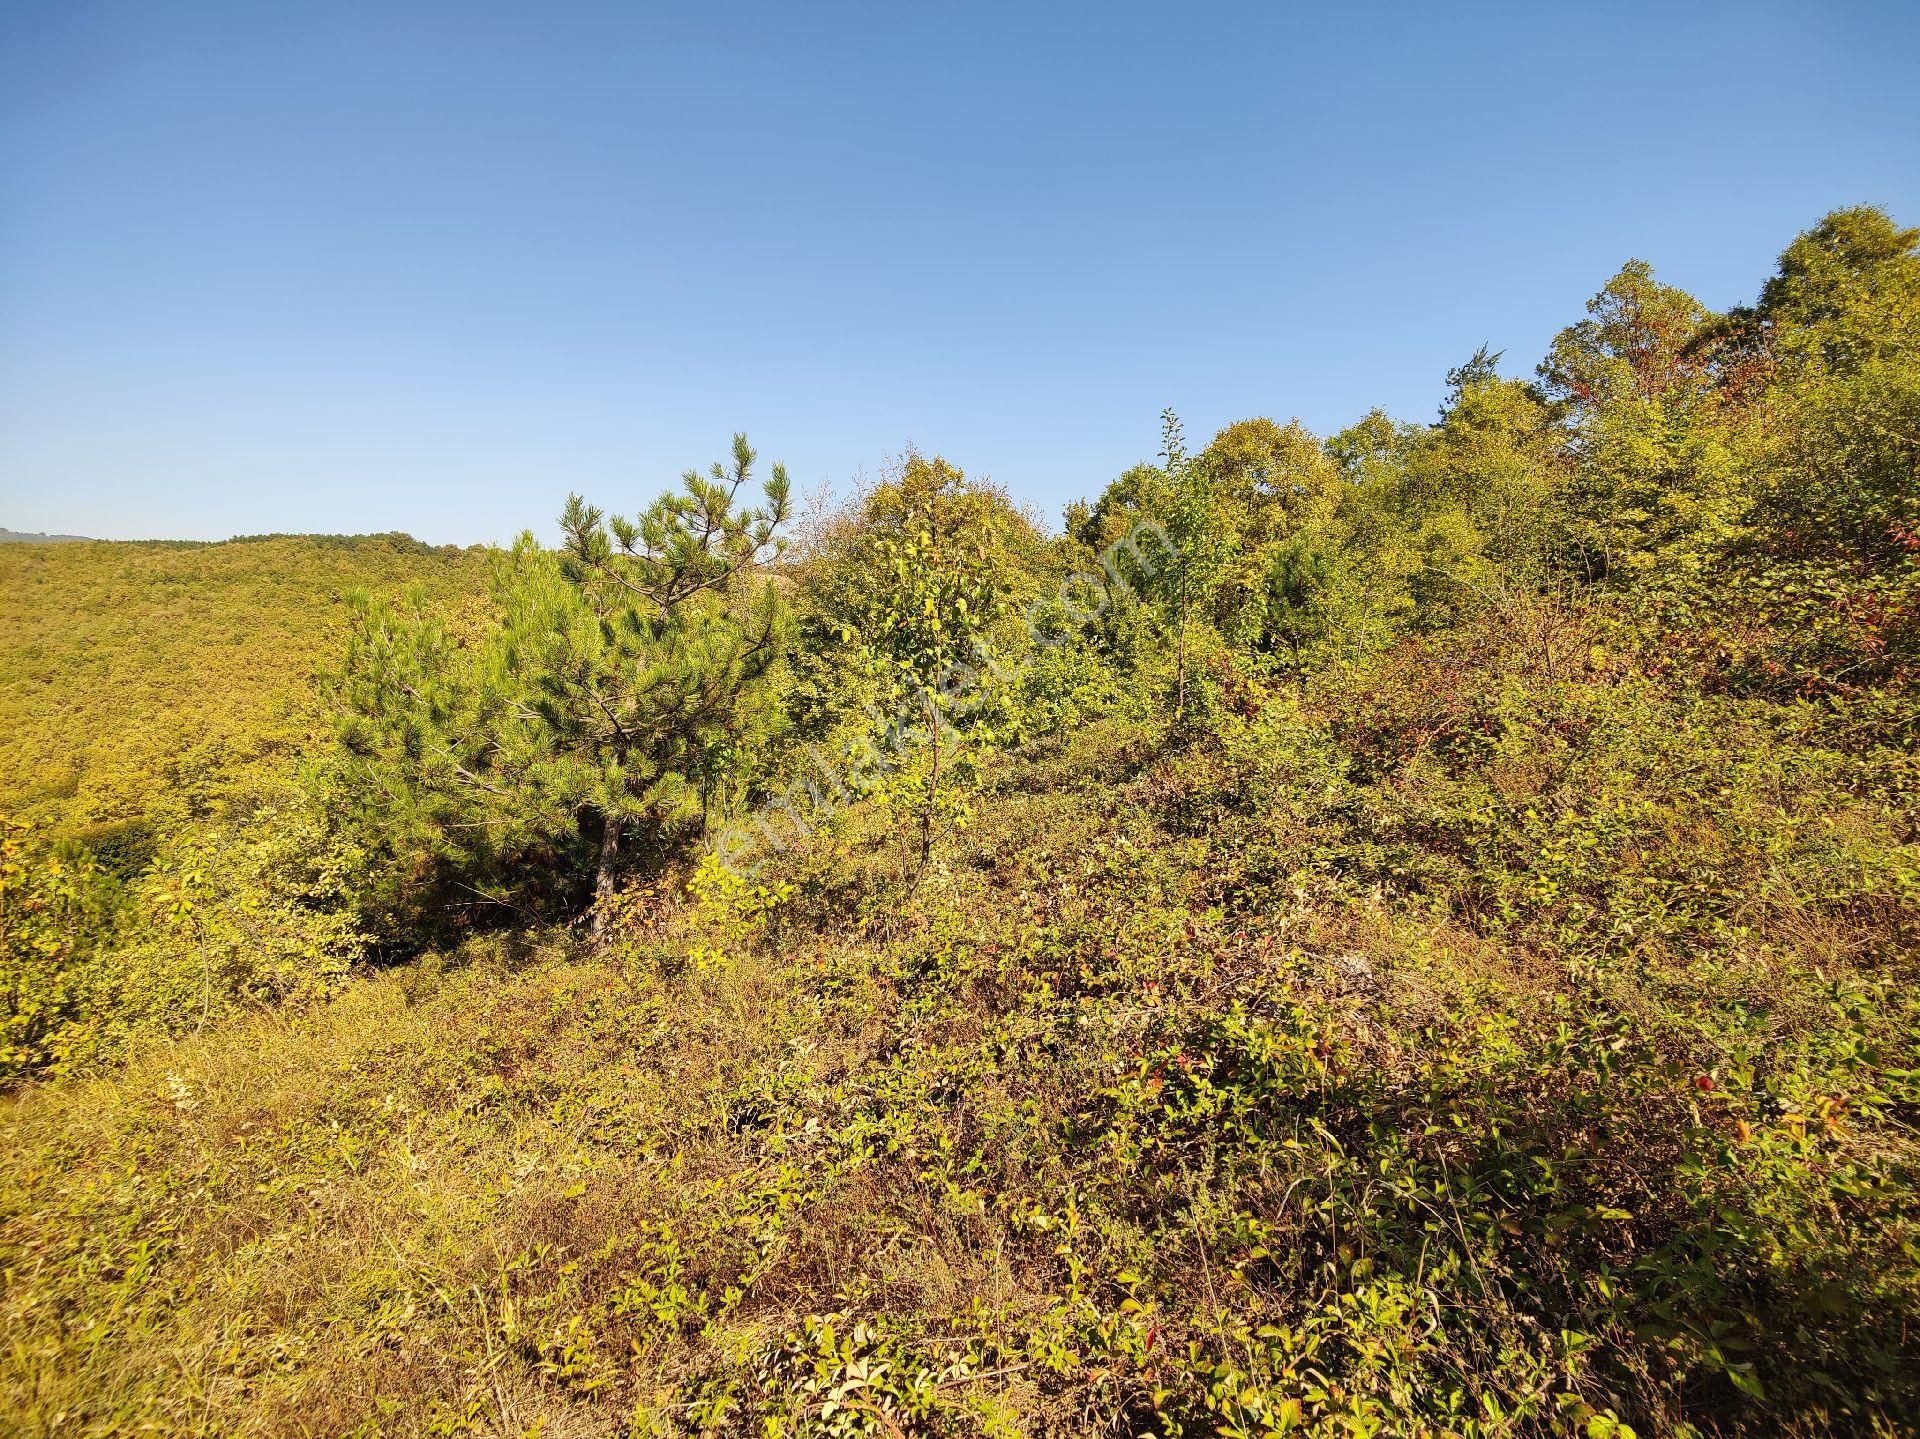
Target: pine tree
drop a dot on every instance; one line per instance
(1295, 609)
(622, 684)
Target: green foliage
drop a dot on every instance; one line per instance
(157, 701)
(141, 681)
(1294, 616)
(914, 599)
(48, 912)
(220, 917)
(1433, 952)
(237, 915)
(620, 688)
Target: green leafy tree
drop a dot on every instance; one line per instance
(1437, 521)
(923, 587)
(1657, 486)
(1296, 615)
(1268, 485)
(1831, 559)
(1488, 467)
(1121, 538)
(1847, 292)
(1269, 481)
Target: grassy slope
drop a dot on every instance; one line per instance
(1127, 1114)
(427, 1199)
(1111, 1080)
(133, 672)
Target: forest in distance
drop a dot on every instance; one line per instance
(1406, 931)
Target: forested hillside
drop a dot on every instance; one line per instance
(1410, 931)
(134, 674)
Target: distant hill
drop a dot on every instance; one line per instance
(24, 537)
(145, 672)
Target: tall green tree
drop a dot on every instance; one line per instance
(1832, 557)
(1657, 486)
(622, 685)
(918, 589)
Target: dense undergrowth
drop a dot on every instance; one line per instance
(1121, 1118)
(160, 861)
(1432, 952)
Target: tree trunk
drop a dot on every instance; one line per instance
(1180, 681)
(933, 785)
(603, 875)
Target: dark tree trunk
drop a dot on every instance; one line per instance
(1180, 681)
(603, 875)
(933, 785)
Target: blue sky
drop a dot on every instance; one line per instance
(358, 267)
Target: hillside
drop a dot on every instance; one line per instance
(1129, 1108)
(136, 675)
(1408, 932)
(35, 537)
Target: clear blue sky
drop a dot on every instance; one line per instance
(354, 267)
